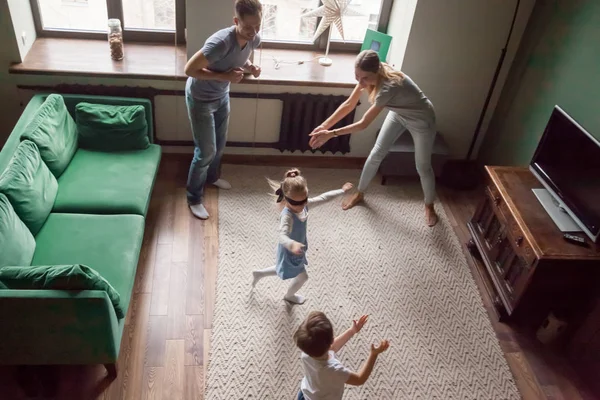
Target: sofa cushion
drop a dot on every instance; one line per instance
(29, 185)
(54, 132)
(62, 277)
(16, 241)
(110, 244)
(108, 183)
(111, 128)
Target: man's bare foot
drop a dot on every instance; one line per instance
(352, 200)
(430, 215)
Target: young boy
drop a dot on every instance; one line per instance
(324, 375)
(221, 61)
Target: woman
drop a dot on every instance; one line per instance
(409, 110)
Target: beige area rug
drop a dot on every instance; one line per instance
(379, 259)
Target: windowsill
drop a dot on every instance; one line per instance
(79, 57)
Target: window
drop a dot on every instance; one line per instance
(308, 26)
(142, 20)
(269, 21)
(287, 29)
(149, 14)
(355, 27)
(74, 15)
(282, 22)
(164, 21)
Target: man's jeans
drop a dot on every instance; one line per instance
(209, 122)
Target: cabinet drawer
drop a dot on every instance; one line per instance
(514, 232)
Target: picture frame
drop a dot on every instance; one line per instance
(377, 41)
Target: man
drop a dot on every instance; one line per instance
(220, 62)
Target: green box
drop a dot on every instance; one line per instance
(380, 42)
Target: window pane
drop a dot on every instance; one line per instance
(149, 14)
(282, 22)
(83, 15)
(355, 27)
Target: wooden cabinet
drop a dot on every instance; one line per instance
(529, 269)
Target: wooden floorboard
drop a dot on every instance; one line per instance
(166, 340)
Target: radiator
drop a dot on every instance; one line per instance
(304, 112)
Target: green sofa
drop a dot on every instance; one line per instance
(96, 220)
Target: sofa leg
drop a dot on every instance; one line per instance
(112, 370)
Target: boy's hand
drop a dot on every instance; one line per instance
(357, 325)
(383, 346)
(347, 187)
(297, 248)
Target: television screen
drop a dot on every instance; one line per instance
(568, 160)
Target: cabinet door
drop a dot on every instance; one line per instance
(504, 255)
(515, 274)
(483, 216)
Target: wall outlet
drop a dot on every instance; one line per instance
(24, 38)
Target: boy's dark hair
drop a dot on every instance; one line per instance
(248, 7)
(315, 335)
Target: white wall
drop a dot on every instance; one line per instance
(401, 17)
(9, 52)
(172, 121)
(452, 53)
(22, 20)
(203, 18)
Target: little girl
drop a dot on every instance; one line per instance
(292, 193)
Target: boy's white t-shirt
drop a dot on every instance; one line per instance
(323, 379)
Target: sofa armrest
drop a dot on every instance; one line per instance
(58, 327)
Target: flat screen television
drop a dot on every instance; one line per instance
(567, 163)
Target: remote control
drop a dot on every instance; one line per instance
(578, 240)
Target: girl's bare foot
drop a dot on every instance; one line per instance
(430, 215)
(352, 200)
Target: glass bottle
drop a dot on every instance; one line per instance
(115, 39)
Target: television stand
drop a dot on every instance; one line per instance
(559, 215)
(528, 269)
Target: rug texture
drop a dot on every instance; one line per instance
(378, 259)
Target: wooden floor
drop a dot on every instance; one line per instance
(166, 338)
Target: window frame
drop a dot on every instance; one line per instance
(115, 10)
(321, 43)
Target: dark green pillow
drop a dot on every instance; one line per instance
(54, 132)
(29, 185)
(16, 241)
(60, 277)
(111, 128)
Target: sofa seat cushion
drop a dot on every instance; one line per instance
(110, 244)
(29, 186)
(54, 132)
(108, 183)
(16, 241)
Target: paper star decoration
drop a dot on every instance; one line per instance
(331, 11)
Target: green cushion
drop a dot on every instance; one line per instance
(16, 241)
(111, 128)
(54, 132)
(29, 185)
(63, 277)
(108, 183)
(110, 244)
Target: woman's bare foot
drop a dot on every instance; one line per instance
(352, 200)
(430, 215)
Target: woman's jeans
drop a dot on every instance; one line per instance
(209, 122)
(423, 133)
